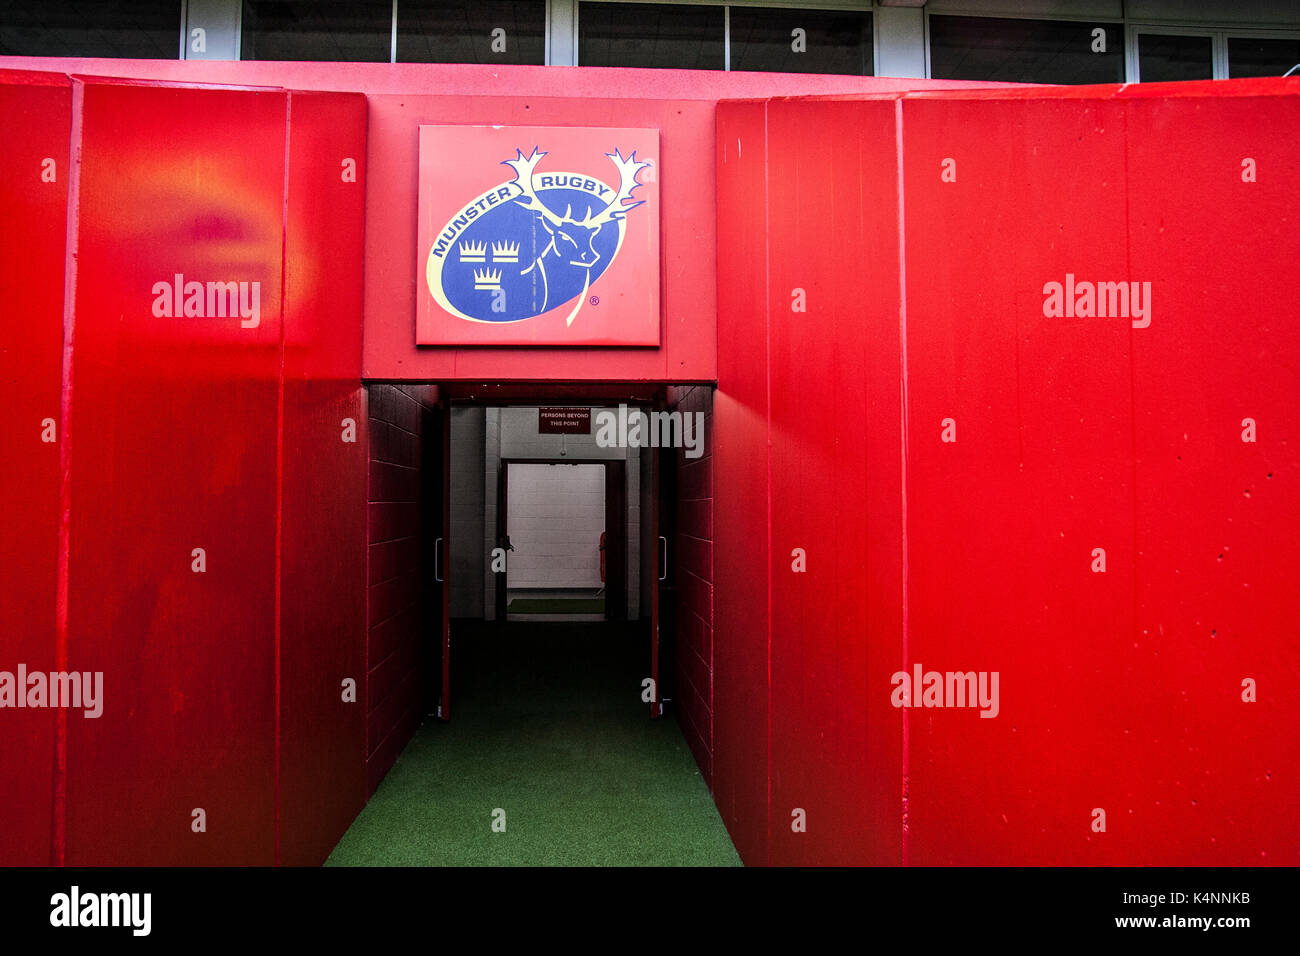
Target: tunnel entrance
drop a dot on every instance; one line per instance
(544, 524)
(523, 608)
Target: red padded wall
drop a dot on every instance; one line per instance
(1001, 523)
(35, 112)
(323, 527)
(807, 430)
(173, 446)
(832, 195)
(1215, 516)
(1119, 690)
(742, 545)
(222, 689)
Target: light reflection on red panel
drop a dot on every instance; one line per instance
(322, 783)
(174, 448)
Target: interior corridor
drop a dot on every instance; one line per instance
(550, 727)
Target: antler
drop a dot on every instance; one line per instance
(627, 173)
(523, 167)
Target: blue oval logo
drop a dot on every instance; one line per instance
(533, 244)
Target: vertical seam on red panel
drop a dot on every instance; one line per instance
(59, 788)
(905, 844)
(360, 251)
(279, 457)
(767, 416)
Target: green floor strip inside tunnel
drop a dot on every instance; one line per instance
(548, 734)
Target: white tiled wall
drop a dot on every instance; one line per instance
(556, 515)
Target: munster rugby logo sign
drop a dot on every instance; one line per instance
(512, 254)
(538, 236)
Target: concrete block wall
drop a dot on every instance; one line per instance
(397, 565)
(692, 549)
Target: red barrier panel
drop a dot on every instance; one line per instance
(833, 307)
(173, 446)
(741, 529)
(808, 346)
(1213, 215)
(1002, 197)
(1097, 446)
(35, 112)
(323, 484)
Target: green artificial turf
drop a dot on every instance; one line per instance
(547, 725)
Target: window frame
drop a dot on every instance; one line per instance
(1132, 60)
(1038, 18)
(1247, 33)
(1218, 32)
(866, 7)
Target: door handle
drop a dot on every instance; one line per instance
(437, 560)
(663, 557)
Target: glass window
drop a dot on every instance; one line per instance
(336, 30)
(1262, 56)
(138, 29)
(800, 41)
(471, 31)
(651, 34)
(1026, 51)
(1169, 56)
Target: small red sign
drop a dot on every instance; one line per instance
(564, 421)
(536, 235)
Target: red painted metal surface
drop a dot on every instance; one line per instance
(834, 450)
(35, 111)
(1119, 691)
(1002, 522)
(173, 447)
(323, 480)
(1122, 689)
(217, 430)
(1215, 516)
(739, 598)
(808, 405)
